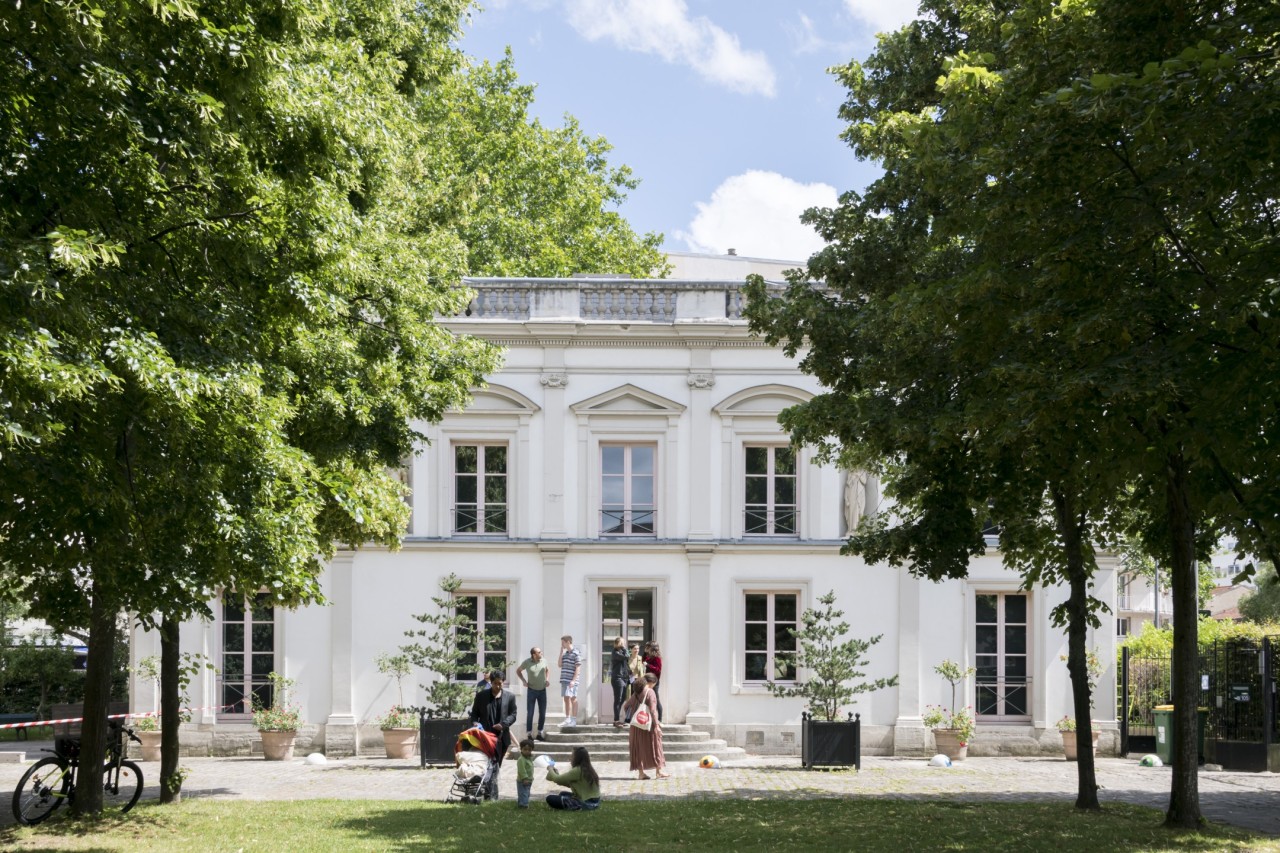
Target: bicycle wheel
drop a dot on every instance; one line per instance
(42, 789)
(119, 793)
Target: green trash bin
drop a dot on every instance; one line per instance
(1164, 732)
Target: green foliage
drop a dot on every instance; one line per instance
(399, 717)
(442, 649)
(189, 665)
(1153, 642)
(527, 200)
(281, 715)
(398, 667)
(955, 675)
(962, 722)
(1263, 604)
(836, 664)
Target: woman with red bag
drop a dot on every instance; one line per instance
(645, 732)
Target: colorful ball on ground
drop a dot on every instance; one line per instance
(709, 762)
(1150, 761)
(939, 760)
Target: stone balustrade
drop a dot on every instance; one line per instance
(605, 300)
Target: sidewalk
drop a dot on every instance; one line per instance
(1250, 800)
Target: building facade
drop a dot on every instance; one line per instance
(624, 474)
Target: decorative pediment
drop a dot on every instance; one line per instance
(499, 400)
(762, 400)
(627, 400)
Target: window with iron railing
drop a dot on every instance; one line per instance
(627, 490)
(248, 651)
(769, 507)
(480, 488)
(1002, 652)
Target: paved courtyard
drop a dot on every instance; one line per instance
(1250, 800)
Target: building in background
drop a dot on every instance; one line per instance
(624, 473)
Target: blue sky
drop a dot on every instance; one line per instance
(723, 108)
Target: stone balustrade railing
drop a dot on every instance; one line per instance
(608, 300)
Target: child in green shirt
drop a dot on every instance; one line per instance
(524, 773)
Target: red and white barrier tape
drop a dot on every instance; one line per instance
(109, 717)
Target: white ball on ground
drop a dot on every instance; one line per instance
(317, 758)
(939, 760)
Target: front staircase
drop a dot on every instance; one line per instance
(606, 743)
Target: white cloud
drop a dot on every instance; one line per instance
(664, 27)
(882, 15)
(758, 214)
(806, 39)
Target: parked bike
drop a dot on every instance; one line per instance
(52, 781)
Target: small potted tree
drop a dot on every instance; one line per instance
(278, 723)
(442, 647)
(147, 727)
(400, 724)
(952, 729)
(1067, 725)
(835, 664)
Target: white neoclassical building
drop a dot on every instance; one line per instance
(624, 474)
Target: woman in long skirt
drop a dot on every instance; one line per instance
(646, 746)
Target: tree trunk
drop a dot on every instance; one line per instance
(1071, 528)
(97, 695)
(170, 712)
(1184, 796)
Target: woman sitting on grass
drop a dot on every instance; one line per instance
(582, 781)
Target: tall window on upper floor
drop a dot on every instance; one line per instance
(480, 488)
(627, 490)
(248, 651)
(484, 640)
(770, 646)
(1001, 635)
(770, 504)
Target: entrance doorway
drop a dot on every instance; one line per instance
(626, 613)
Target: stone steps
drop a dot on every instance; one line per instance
(606, 743)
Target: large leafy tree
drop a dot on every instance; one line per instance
(216, 299)
(527, 199)
(1073, 251)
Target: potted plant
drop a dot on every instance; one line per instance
(1067, 725)
(278, 723)
(147, 728)
(400, 724)
(836, 666)
(442, 648)
(952, 729)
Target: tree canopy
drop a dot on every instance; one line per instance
(1060, 298)
(224, 241)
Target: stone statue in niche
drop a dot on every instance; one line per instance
(855, 498)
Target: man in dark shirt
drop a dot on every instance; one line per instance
(495, 709)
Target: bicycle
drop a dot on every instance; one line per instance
(52, 781)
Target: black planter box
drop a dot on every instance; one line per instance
(834, 744)
(437, 737)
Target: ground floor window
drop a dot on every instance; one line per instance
(248, 651)
(1122, 626)
(1001, 635)
(485, 639)
(769, 645)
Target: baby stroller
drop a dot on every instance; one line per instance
(476, 754)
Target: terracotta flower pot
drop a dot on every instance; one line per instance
(949, 744)
(400, 743)
(150, 745)
(1070, 749)
(277, 746)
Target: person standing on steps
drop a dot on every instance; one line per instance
(533, 675)
(570, 670)
(619, 678)
(653, 665)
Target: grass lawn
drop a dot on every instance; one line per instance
(784, 826)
